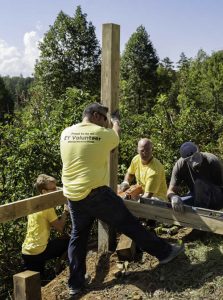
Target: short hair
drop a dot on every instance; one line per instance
(42, 181)
(145, 141)
(95, 107)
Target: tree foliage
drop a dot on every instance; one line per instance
(167, 105)
(139, 63)
(70, 56)
(6, 102)
(18, 89)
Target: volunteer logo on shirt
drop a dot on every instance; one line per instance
(79, 137)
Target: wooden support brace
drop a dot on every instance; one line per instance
(198, 218)
(28, 206)
(27, 286)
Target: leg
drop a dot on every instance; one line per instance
(34, 263)
(108, 207)
(56, 248)
(77, 250)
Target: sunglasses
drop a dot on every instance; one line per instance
(194, 157)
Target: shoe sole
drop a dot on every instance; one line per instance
(167, 260)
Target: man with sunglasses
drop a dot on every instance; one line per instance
(85, 151)
(202, 174)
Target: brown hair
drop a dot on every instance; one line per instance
(95, 107)
(42, 181)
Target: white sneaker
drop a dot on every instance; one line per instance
(73, 292)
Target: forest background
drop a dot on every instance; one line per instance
(166, 103)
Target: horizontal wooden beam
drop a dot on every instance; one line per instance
(201, 219)
(21, 208)
(190, 218)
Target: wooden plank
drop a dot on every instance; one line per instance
(191, 218)
(110, 97)
(126, 248)
(28, 206)
(27, 286)
(110, 82)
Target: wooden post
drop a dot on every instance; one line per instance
(27, 286)
(125, 248)
(110, 98)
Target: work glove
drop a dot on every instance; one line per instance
(115, 116)
(66, 209)
(124, 186)
(177, 203)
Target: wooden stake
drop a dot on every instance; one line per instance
(27, 286)
(126, 248)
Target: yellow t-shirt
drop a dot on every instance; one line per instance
(151, 176)
(38, 231)
(85, 150)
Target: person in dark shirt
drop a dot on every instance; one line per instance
(202, 173)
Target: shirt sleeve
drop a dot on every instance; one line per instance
(132, 169)
(51, 215)
(112, 139)
(175, 177)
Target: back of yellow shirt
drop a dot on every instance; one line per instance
(38, 231)
(85, 149)
(151, 176)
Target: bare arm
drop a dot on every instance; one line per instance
(129, 178)
(59, 223)
(115, 120)
(126, 182)
(172, 190)
(116, 126)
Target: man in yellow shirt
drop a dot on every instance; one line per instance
(37, 248)
(85, 151)
(147, 171)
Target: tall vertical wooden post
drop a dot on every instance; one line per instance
(110, 98)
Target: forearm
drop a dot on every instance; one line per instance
(116, 127)
(129, 178)
(60, 223)
(63, 219)
(172, 190)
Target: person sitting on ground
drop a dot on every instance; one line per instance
(202, 173)
(37, 248)
(147, 171)
(85, 150)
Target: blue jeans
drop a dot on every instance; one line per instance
(103, 204)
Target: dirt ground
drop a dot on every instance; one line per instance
(196, 274)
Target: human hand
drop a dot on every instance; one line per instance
(177, 203)
(115, 116)
(124, 186)
(66, 209)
